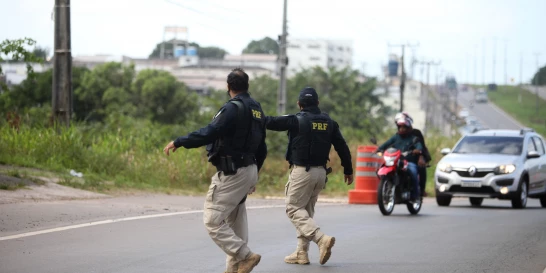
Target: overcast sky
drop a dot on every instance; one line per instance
(452, 32)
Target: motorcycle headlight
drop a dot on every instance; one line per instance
(445, 168)
(505, 169)
(389, 160)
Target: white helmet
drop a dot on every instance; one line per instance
(402, 115)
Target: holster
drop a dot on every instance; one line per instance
(328, 171)
(229, 165)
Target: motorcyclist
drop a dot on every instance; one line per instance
(404, 141)
(424, 160)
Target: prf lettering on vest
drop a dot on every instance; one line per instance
(257, 114)
(320, 126)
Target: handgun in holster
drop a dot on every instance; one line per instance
(328, 171)
(227, 165)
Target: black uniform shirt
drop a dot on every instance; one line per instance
(290, 122)
(223, 123)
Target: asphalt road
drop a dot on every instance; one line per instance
(487, 113)
(459, 238)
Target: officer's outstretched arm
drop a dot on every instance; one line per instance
(281, 123)
(223, 120)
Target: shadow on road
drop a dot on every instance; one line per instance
(491, 207)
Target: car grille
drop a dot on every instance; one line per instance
(466, 174)
(457, 188)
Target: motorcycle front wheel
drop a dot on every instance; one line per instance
(385, 196)
(414, 208)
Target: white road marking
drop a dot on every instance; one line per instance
(27, 234)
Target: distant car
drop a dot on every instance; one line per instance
(504, 164)
(492, 87)
(471, 120)
(464, 113)
(481, 97)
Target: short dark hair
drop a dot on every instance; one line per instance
(237, 80)
(308, 103)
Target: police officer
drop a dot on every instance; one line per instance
(311, 134)
(235, 142)
(424, 159)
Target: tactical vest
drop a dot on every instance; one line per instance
(248, 134)
(311, 146)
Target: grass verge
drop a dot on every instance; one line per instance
(507, 98)
(118, 160)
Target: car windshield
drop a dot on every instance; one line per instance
(490, 145)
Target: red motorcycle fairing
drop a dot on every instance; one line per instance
(384, 170)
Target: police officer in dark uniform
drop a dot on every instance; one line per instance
(235, 142)
(311, 134)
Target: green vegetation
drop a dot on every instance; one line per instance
(506, 97)
(16, 50)
(540, 77)
(133, 159)
(123, 119)
(263, 46)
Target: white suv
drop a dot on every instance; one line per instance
(504, 164)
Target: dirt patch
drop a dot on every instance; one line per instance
(13, 183)
(19, 185)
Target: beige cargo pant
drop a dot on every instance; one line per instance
(302, 192)
(225, 219)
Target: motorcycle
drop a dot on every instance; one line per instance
(395, 182)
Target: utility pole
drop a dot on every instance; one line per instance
(413, 63)
(536, 83)
(494, 57)
(427, 103)
(505, 60)
(62, 67)
(476, 64)
(483, 60)
(520, 75)
(283, 62)
(403, 76)
(467, 67)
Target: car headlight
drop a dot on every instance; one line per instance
(389, 160)
(505, 169)
(445, 168)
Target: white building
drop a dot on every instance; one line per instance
(308, 53)
(205, 74)
(16, 72)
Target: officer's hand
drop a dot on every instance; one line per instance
(416, 152)
(349, 179)
(252, 190)
(169, 146)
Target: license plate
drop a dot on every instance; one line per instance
(471, 184)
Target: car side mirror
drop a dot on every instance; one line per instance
(533, 154)
(445, 151)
